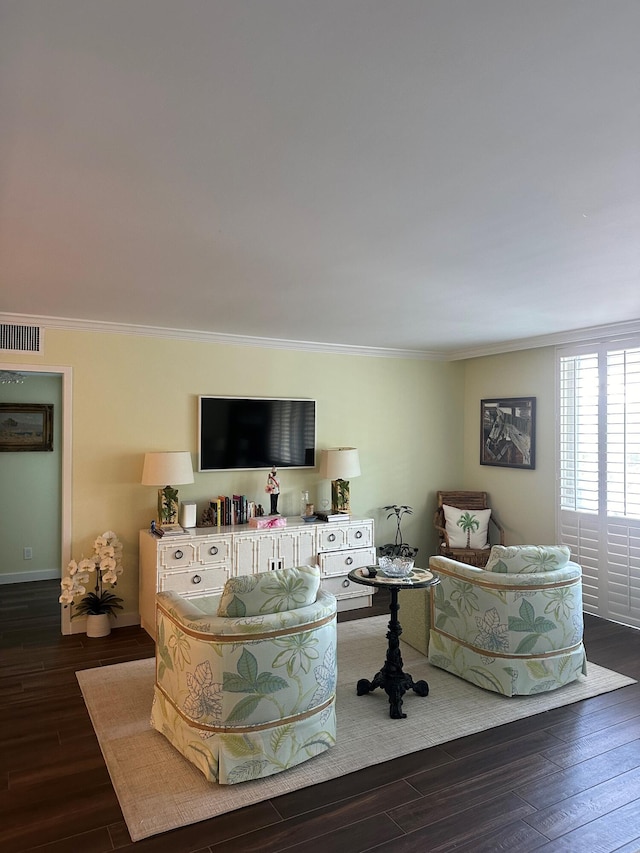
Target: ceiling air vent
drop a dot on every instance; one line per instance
(14, 338)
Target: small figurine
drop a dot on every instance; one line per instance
(273, 490)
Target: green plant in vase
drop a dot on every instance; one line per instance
(101, 571)
(397, 548)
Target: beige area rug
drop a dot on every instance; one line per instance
(159, 790)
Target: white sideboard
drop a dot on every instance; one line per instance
(200, 561)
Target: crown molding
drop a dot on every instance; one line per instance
(612, 330)
(69, 324)
(590, 333)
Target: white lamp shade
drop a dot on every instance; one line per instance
(341, 463)
(171, 468)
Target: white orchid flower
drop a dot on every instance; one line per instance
(107, 564)
(72, 567)
(86, 566)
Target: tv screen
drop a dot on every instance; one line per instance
(254, 432)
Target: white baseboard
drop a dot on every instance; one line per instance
(26, 577)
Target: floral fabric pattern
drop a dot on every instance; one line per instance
(270, 592)
(513, 634)
(513, 559)
(248, 706)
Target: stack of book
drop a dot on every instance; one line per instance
(169, 530)
(236, 509)
(332, 516)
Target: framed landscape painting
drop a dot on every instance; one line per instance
(26, 426)
(507, 432)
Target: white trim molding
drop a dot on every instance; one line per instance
(626, 328)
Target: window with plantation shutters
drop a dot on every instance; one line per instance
(599, 473)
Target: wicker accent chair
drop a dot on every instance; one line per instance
(471, 503)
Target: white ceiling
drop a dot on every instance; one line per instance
(434, 175)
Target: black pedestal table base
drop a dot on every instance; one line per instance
(391, 678)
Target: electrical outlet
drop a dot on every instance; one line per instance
(27, 553)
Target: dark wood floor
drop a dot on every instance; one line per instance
(567, 780)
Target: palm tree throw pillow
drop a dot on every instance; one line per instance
(467, 528)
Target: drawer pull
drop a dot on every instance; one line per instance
(196, 579)
(213, 550)
(346, 582)
(358, 534)
(178, 555)
(349, 561)
(331, 537)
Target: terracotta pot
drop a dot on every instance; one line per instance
(98, 625)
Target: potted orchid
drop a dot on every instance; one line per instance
(105, 566)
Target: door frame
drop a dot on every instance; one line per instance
(66, 373)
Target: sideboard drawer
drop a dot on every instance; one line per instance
(360, 536)
(194, 581)
(342, 562)
(175, 555)
(332, 537)
(342, 588)
(215, 551)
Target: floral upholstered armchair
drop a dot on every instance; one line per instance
(515, 626)
(245, 681)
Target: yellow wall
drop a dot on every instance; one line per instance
(524, 500)
(132, 394)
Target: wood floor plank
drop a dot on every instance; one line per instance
(334, 820)
(464, 827)
(471, 791)
(544, 792)
(589, 804)
(607, 834)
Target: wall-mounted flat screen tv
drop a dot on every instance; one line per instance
(255, 432)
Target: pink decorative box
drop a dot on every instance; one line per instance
(264, 522)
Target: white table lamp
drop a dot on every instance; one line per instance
(341, 464)
(167, 469)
